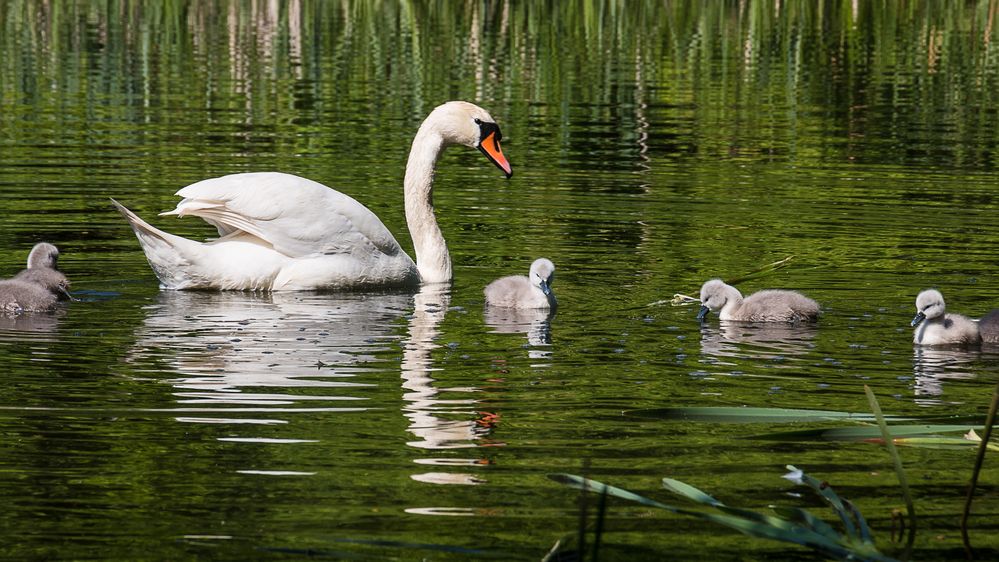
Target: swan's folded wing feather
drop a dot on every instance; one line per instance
(297, 216)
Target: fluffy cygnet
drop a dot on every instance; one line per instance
(20, 295)
(935, 326)
(37, 288)
(771, 305)
(52, 280)
(517, 291)
(988, 326)
(43, 255)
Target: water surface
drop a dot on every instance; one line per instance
(654, 147)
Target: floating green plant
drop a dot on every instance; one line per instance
(862, 428)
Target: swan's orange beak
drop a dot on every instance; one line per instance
(490, 146)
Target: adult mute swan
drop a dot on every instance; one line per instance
(282, 232)
(772, 305)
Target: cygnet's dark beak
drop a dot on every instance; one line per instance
(703, 312)
(545, 288)
(919, 318)
(65, 295)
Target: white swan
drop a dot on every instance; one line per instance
(284, 232)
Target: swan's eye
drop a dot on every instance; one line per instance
(478, 121)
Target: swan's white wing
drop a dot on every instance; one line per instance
(295, 215)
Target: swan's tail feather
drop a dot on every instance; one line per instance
(167, 253)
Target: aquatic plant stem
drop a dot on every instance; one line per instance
(899, 471)
(601, 512)
(679, 299)
(761, 272)
(583, 506)
(979, 460)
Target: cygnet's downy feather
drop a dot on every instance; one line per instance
(988, 326)
(37, 288)
(935, 326)
(771, 305)
(518, 291)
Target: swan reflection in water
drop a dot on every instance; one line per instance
(932, 366)
(221, 343)
(771, 341)
(454, 422)
(535, 323)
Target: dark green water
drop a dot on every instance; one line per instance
(654, 147)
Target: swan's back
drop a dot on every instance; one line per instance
(297, 216)
(777, 305)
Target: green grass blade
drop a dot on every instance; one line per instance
(806, 519)
(864, 433)
(823, 489)
(979, 460)
(865, 530)
(795, 534)
(943, 442)
(903, 482)
(745, 521)
(690, 492)
(581, 483)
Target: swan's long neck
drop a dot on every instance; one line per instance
(432, 258)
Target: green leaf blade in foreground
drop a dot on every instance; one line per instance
(690, 492)
(806, 519)
(580, 483)
(862, 433)
(827, 493)
(749, 523)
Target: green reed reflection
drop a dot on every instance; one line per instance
(740, 78)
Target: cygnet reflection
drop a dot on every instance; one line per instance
(534, 323)
(769, 341)
(30, 327)
(933, 366)
(225, 347)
